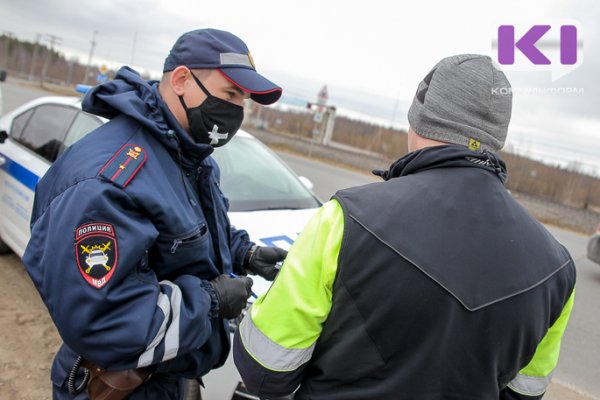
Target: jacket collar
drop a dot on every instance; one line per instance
(447, 156)
(192, 154)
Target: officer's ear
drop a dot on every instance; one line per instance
(178, 79)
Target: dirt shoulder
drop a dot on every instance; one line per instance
(29, 338)
(574, 219)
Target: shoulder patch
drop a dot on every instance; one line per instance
(124, 165)
(96, 252)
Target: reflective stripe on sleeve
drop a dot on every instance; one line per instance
(170, 306)
(148, 355)
(530, 385)
(172, 335)
(268, 353)
(533, 380)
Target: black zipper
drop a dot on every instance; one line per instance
(196, 235)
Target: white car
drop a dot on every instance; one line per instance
(270, 202)
(593, 246)
(33, 136)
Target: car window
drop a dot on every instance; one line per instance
(19, 124)
(82, 125)
(253, 178)
(45, 130)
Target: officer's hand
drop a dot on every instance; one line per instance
(263, 260)
(232, 294)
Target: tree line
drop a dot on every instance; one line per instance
(37, 61)
(525, 175)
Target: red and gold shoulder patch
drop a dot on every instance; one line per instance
(96, 252)
(124, 165)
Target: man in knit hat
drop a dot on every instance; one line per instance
(434, 284)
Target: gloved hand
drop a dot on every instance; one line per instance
(262, 261)
(232, 294)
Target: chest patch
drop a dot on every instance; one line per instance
(124, 165)
(96, 252)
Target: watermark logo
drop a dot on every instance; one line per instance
(555, 46)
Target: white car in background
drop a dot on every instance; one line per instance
(266, 197)
(593, 246)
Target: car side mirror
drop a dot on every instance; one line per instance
(3, 136)
(2, 75)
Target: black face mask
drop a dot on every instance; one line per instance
(215, 121)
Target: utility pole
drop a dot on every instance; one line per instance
(8, 36)
(70, 73)
(38, 36)
(87, 67)
(133, 48)
(53, 39)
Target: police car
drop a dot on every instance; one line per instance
(34, 135)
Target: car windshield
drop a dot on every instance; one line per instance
(253, 178)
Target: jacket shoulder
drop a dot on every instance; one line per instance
(88, 157)
(120, 150)
(124, 165)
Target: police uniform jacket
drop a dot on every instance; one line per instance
(128, 227)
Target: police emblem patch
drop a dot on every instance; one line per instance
(96, 252)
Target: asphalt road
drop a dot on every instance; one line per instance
(13, 95)
(579, 366)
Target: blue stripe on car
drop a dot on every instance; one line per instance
(272, 241)
(20, 173)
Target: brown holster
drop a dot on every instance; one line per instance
(113, 385)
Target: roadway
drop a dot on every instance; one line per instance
(579, 366)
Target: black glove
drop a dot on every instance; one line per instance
(262, 261)
(232, 294)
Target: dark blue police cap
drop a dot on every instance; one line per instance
(215, 49)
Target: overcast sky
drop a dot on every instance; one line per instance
(371, 54)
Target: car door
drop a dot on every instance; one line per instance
(35, 140)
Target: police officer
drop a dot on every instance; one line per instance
(434, 284)
(131, 248)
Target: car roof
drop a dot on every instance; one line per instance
(243, 133)
(66, 100)
(72, 101)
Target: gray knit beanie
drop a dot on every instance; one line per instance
(466, 100)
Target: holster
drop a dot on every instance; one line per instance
(113, 385)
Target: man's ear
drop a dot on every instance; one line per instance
(178, 79)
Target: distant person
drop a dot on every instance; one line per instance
(131, 248)
(434, 284)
